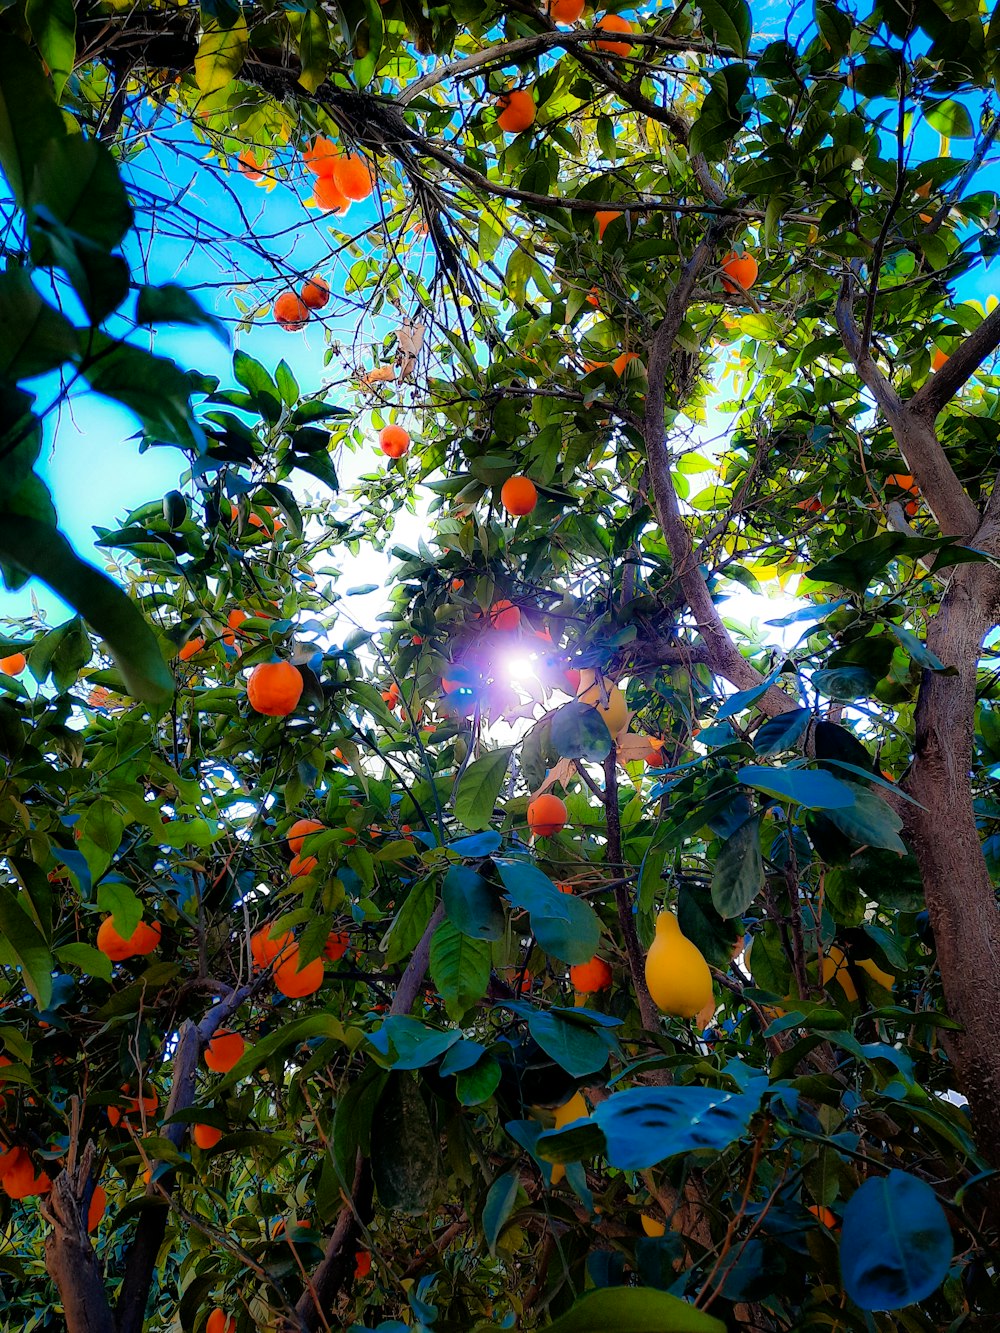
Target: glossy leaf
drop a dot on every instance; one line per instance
(479, 788)
(896, 1245)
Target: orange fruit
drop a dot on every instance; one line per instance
(505, 615)
(614, 23)
(938, 359)
(738, 269)
(353, 176)
(518, 496)
(566, 11)
(17, 1175)
(565, 888)
(903, 481)
(517, 111)
(224, 1051)
(362, 1264)
(220, 1322)
(604, 220)
(320, 156)
(594, 297)
(824, 1215)
(337, 944)
(13, 665)
(546, 815)
(330, 196)
(265, 947)
(394, 441)
(146, 1104)
(295, 981)
(315, 292)
(302, 865)
(144, 939)
(247, 165)
(299, 831)
(620, 362)
(573, 676)
(457, 585)
(290, 311)
(95, 1210)
(589, 978)
(205, 1136)
(190, 648)
(274, 688)
(812, 506)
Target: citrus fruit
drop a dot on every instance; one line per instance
(96, 1207)
(265, 947)
(144, 939)
(394, 441)
(13, 665)
(517, 111)
(615, 711)
(234, 620)
(938, 358)
(320, 156)
(315, 292)
(205, 1136)
(220, 1322)
(651, 1227)
(518, 496)
(290, 311)
(604, 220)
(614, 23)
(330, 196)
(566, 11)
(190, 648)
(505, 615)
(295, 981)
(302, 865)
(547, 814)
(337, 944)
(274, 688)
(224, 1051)
(739, 271)
(589, 978)
(299, 831)
(353, 176)
(676, 973)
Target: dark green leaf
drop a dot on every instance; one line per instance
(498, 1207)
(405, 1150)
(150, 386)
(869, 820)
(782, 732)
(729, 23)
(53, 26)
(644, 1126)
(807, 787)
(29, 117)
(738, 876)
(628, 1310)
(579, 732)
(564, 925)
(896, 1246)
(577, 1047)
(460, 968)
(25, 943)
(77, 181)
(472, 904)
(34, 337)
(173, 304)
(479, 788)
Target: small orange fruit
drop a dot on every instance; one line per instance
(517, 111)
(362, 1264)
(13, 665)
(903, 481)
(205, 1136)
(353, 176)
(604, 220)
(620, 362)
(504, 615)
(246, 165)
(589, 978)
(330, 196)
(143, 940)
(295, 981)
(234, 620)
(290, 311)
(315, 292)
(224, 1051)
(825, 1216)
(614, 23)
(274, 688)
(299, 831)
(566, 11)
(302, 865)
(337, 944)
(190, 648)
(547, 814)
(265, 947)
(320, 156)
(394, 441)
(96, 1207)
(739, 271)
(938, 358)
(518, 496)
(220, 1322)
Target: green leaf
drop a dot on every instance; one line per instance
(221, 52)
(89, 960)
(479, 788)
(25, 943)
(34, 337)
(498, 1207)
(578, 1047)
(896, 1246)
(460, 968)
(919, 651)
(738, 876)
(410, 922)
(29, 117)
(782, 732)
(290, 1034)
(628, 1310)
(869, 820)
(38, 549)
(812, 789)
(53, 26)
(729, 23)
(565, 926)
(579, 732)
(711, 934)
(312, 35)
(719, 118)
(173, 304)
(950, 118)
(472, 904)
(847, 683)
(150, 386)
(115, 899)
(77, 181)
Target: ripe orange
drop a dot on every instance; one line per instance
(517, 111)
(566, 11)
(234, 620)
(320, 156)
(742, 272)
(620, 362)
(938, 358)
(220, 1322)
(265, 947)
(17, 1175)
(903, 481)
(594, 297)
(95, 1210)
(505, 615)
(589, 978)
(295, 981)
(812, 506)
(205, 1136)
(353, 176)
(299, 831)
(337, 944)
(13, 665)
(457, 585)
(315, 292)
(274, 688)
(546, 815)
(290, 311)
(143, 940)
(247, 166)
(394, 441)
(518, 496)
(330, 196)
(614, 23)
(302, 865)
(823, 1215)
(604, 220)
(573, 677)
(190, 648)
(362, 1264)
(224, 1051)
(146, 1104)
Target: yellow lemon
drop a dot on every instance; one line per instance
(651, 1226)
(615, 712)
(676, 973)
(575, 1109)
(835, 968)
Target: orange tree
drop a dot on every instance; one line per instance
(564, 950)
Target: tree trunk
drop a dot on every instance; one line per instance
(961, 900)
(69, 1255)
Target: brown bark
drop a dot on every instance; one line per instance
(69, 1255)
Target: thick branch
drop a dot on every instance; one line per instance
(966, 359)
(724, 657)
(69, 1255)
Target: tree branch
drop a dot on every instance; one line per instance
(69, 1255)
(966, 359)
